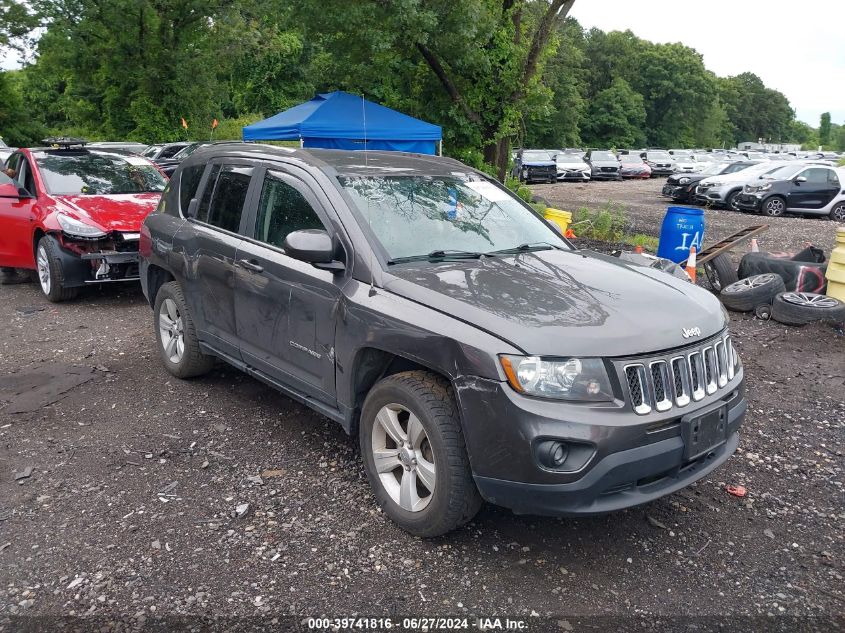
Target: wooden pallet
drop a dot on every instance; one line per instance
(727, 244)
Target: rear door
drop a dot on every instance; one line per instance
(208, 245)
(286, 309)
(17, 218)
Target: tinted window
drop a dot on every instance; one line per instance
(188, 183)
(169, 152)
(97, 173)
(602, 156)
(281, 210)
(815, 175)
(832, 178)
(26, 178)
(229, 197)
(202, 211)
(531, 157)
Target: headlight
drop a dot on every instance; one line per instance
(683, 181)
(562, 378)
(73, 226)
(715, 183)
(765, 187)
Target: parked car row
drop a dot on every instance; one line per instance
(382, 296)
(772, 188)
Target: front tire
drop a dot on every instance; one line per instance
(49, 270)
(177, 339)
(774, 207)
(730, 201)
(837, 213)
(414, 454)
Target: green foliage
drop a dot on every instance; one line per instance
(646, 242)
(616, 117)
(606, 224)
(824, 129)
(519, 189)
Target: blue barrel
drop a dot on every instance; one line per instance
(682, 228)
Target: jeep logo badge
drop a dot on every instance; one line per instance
(689, 332)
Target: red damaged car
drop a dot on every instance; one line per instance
(73, 215)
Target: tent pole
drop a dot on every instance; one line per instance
(440, 147)
(301, 142)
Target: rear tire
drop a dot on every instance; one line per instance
(423, 481)
(837, 213)
(800, 308)
(746, 294)
(720, 272)
(730, 201)
(176, 335)
(49, 269)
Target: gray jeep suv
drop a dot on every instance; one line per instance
(474, 352)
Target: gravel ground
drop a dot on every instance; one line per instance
(151, 497)
(645, 207)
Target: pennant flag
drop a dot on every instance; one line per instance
(184, 123)
(214, 124)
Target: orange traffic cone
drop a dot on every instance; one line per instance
(638, 249)
(755, 248)
(691, 264)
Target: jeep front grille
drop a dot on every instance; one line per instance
(660, 384)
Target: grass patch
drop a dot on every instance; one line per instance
(647, 242)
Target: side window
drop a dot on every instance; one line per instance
(282, 209)
(188, 183)
(229, 197)
(832, 178)
(12, 162)
(202, 210)
(815, 175)
(25, 176)
(169, 152)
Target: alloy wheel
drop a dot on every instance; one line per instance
(774, 207)
(43, 266)
(746, 284)
(403, 458)
(838, 213)
(171, 328)
(809, 299)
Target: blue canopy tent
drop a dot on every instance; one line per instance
(336, 120)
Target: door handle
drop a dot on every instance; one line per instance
(250, 265)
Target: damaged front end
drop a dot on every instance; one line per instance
(101, 259)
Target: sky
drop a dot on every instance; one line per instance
(797, 48)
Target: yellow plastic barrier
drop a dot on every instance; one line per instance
(836, 268)
(562, 218)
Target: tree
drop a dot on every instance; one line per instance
(483, 58)
(824, 129)
(615, 117)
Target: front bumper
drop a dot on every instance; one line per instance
(662, 170)
(711, 195)
(678, 192)
(580, 176)
(85, 262)
(748, 202)
(605, 173)
(534, 174)
(631, 459)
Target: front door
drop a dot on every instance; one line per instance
(17, 217)
(816, 192)
(209, 244)
(285, 308)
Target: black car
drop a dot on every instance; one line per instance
(474, 352)
(799, 189)
(534, 165)
(169, 165)
(166, 151)
(681, 187)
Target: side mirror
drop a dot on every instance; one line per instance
(313, 246)
(193, 205)
(800, 179)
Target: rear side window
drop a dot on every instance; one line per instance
(202, 211)
(832, 178)
(170, 152)
(282, 209)
(816, 175)
(227, 202)
(188, 183)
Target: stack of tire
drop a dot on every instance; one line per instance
(766, 296)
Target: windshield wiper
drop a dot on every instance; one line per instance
(438, 255)
(527, 247)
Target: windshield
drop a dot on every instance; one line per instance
(187, 151)
(658, 156)
(152, 150)
(569, 159)
(95, 173)
(602, 156)
(783, 173)
(534, 157)
(415, 215)
(714, 168)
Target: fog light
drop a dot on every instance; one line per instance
(552, 453)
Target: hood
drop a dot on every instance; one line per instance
(693, 177)
(539, 163)
(605, 163)
(564, 303)
(121, 212)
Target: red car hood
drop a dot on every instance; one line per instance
(121, 212)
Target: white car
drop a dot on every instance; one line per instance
(571, 167)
